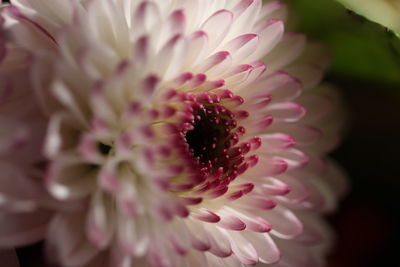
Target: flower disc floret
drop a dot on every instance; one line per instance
(208, 136)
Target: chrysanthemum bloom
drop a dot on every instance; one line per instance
(384, 12)
(179, 133)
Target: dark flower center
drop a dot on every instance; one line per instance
(211, 135)
(103, 148)
(211, 142)
(213, 138)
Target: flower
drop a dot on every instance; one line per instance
(384, 12)
(169, 142)
(22, 194)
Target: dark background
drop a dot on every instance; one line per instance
(366, 68)
(367, 221)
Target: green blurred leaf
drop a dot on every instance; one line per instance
(384, 12)
(362, 50)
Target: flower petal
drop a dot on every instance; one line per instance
(23, 229)
(65, 240)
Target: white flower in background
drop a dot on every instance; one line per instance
(384, 12)
(179, 133)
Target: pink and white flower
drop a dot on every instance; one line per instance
(178, 133)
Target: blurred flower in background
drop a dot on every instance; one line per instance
(165, 133)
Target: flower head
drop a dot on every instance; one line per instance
(179, 133)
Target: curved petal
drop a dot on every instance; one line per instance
(24, 228)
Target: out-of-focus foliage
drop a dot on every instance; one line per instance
(362, 50)
(384, 12)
